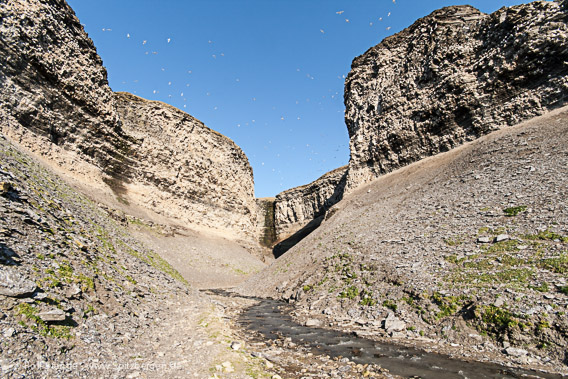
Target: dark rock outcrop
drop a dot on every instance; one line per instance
(451, 77)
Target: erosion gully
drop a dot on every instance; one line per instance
(270, 318)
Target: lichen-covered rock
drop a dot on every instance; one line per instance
(296, 207)
(451, 77)
(185, 170)
(53, 83)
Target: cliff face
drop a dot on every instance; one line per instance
(55, 101)
(186, 170)
(53, 84)
(451, 77)
(296, 207)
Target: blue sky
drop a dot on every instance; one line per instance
(269, 74)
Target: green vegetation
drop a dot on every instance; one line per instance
(390, 304)
(501, 247)
(497, 320)
(454, 241)
(513, 211)
(39, 326)
(543, 287)
(350, 292)
(307, 287)
(558, 264)
(546, 235)
(564, 290)
(448, 305)
(367, 298)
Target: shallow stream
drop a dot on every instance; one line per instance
(270, 319)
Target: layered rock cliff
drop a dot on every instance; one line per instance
(296, 207)
(451, 77)
(55, 101)
(186, 170)
(53, 83)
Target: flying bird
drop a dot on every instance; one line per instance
(169, 39)
(340, 12)
(346, 20)
(127, 35)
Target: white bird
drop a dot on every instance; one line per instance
(346, 20)
(144, 42)
(127, 35)
(169, 39)
(388, 28)
(388, 15)
(340, 12)
(370, 24)
(169, 83)
(322, 32)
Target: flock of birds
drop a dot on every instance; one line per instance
(332, 95)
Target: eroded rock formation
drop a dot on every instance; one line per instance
(184, 167)
(296, 207)
(55, 101)
(53, 83)
(451, 77)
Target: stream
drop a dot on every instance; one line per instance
(271, 320)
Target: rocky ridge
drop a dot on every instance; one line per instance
(296, 207)
(54, 84)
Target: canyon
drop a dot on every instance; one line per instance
(446, 231)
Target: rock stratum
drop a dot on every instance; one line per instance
(56, 102)
(451, 77)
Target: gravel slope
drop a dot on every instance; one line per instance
(403, 257)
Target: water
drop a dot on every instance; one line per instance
(267, 319)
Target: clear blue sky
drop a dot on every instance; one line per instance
(269, 74)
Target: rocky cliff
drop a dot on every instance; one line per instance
(186, 170)
(451, 77)
(56, 102)
(296, 207)
(53, 83)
